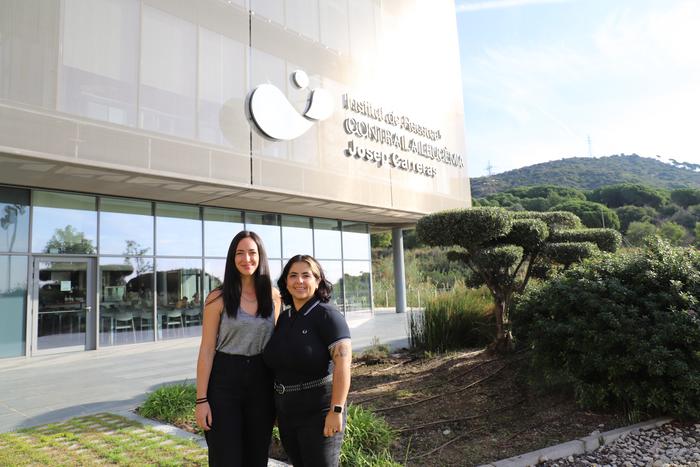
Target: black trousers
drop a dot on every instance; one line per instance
(242, 405)
(300, 417)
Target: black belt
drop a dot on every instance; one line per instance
(317, 383)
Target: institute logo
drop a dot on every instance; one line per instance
(275, 117)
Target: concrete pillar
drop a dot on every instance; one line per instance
(399, 272)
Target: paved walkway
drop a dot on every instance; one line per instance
(51, 388)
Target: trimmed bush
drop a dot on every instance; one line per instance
(620, 331)
(593, 215)
(606, 239)
(460, 318)
(477, 225)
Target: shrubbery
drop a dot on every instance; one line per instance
(620, 330)
(456, 319)
(367, 439)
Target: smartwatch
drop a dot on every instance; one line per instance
(337, 409)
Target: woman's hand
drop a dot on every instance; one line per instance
(333, 425)
(202, 413)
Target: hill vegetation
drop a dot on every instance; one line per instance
(588, 173)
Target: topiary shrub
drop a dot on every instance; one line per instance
(620, 330)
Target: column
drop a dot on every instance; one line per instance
(399, 274)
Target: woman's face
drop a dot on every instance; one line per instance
(301, 282)
(247, 256)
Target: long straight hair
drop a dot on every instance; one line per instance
(231, 288)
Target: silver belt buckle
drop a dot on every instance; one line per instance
(279, 388)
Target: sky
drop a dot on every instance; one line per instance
(549, 79)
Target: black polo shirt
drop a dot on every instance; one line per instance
(299, 350)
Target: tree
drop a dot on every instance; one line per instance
(638, 232)
(615, 196)
(629, 214)
(69, 240)
(380, 240)
(503, 249)
(672, 232)
(12, 213)
(591, 214)
(685, 197)
(134, 251)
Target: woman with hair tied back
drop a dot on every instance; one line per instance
(234, 403)
(310, 354)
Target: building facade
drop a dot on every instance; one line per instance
(138, 136)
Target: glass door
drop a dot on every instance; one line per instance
(62, 304)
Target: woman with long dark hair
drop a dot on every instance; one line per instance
(234, 404)
(310, 354)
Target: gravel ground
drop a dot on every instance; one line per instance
(670, 445)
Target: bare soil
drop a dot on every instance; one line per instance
(467, 408)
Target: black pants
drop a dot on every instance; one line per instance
(241, 399)
(300, 418)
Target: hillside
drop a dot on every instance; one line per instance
(590, 173)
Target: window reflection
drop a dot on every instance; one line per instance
(99, 70)
(334, 273)
(126, 227)
(168, 73)
(356, 241)
(327, 239)
(126, 300)
(220, 226)
(179, 302)
(267, 226)
(221, 83)
(213, 274)
(64, 223)
(13, 296)
(297, 236)
(356, 282)
(14, 220)
(178, 230)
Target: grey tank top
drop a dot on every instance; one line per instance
(245, 334)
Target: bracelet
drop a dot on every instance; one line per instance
(201, 400)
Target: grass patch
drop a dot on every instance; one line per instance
(97, 439)
(172, 404)
(460, 318)
(367, 442)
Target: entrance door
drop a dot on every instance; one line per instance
(63, 300)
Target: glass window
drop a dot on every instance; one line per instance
(334, 25)
(64, 223)
(327, 239)
(302, 17)
(13, 296)
(274, 11)
(14, 220)
(178, 230)
(126, 227)
(267, 226)
(356, 241)
(168, 73)
(222, 74)
(126, 300)
(334, 273)
(275, 270)
(213, 274)
(99, 72)
(178, 282)
(220, 226)
(356, 281)
(297, 236)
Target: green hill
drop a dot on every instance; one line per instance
(590, 173)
